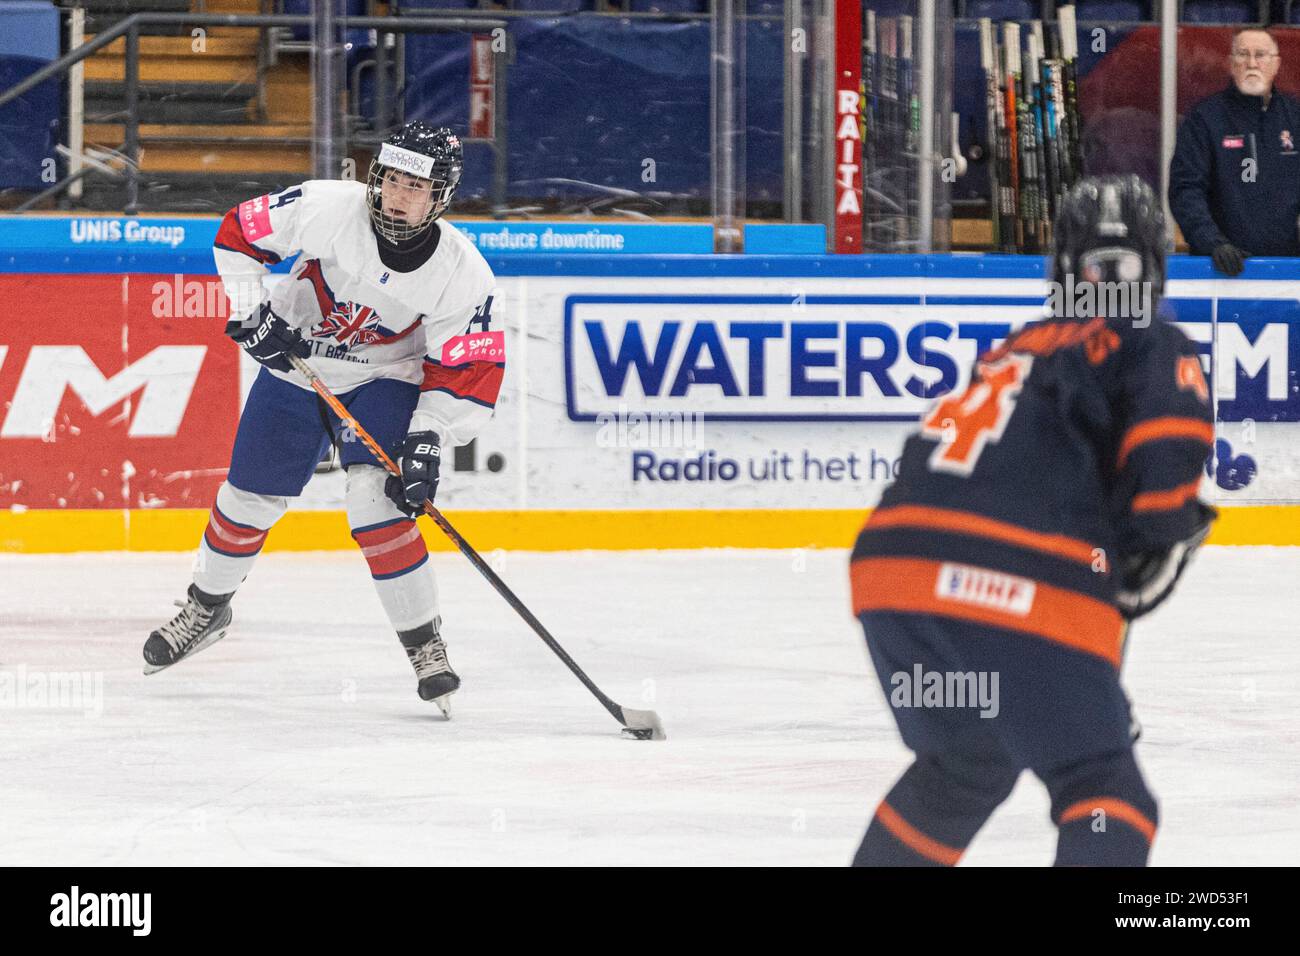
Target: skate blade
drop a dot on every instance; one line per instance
(201, 645)
(444, 705)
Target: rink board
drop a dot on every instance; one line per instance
(650, 401)
(179, 529)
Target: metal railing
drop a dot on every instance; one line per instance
(130, 26)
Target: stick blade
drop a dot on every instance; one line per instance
(642, 725)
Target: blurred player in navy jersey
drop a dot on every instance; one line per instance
(393, 307)
(1033, 517)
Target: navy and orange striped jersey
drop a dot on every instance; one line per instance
(1076, 442)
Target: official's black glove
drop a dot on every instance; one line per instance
(421, 457)
(1228, 259)
(1148, 577)
(271, 341)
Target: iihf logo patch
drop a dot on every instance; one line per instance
(383, 279)
(1287, 143)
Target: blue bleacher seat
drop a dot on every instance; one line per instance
(354, 8)
(31, 30)
(29, 40)
(767, 8)
(1112, 11)
(419, 6)
(668, 6)
(552, 6)
(891, 8)
(1220, 11)
(1002, 9)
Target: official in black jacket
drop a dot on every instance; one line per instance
(1228, 208)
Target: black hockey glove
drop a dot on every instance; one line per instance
(1148, 577)
(1228, 259)
(421, 457)
(270, 341)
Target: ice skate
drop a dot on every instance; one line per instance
(427, 652)
(197, 626)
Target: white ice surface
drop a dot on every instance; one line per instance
(300, 739)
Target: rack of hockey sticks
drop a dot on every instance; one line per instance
(891, 126)
(1034, 129)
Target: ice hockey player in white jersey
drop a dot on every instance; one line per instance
(393, 308)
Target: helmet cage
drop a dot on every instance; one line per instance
(443, 187)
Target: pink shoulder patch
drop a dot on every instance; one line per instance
(479, 347)
(255, 218)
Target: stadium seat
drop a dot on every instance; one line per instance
(890, 8)
(769, 8)
(668, 6)
(1219, 11)
(552, 6)
(1113, 11)
(1002, 9)
(416, 7)
(355, 8)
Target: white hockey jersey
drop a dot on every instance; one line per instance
(432, 326)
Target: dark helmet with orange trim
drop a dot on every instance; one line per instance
(1110, 229)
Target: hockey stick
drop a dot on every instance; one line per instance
(1069, 57)
(1034, 85)
(988, 54)
(640, 724)
(1011, 78)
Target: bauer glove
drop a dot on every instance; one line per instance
(270, 341)
(421, 457)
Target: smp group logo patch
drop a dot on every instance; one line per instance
(775, 358)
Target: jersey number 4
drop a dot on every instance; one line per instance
(964, 424)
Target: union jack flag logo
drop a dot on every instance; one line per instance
(350, 328)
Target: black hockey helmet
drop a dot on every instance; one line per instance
(1110, 229)
(417, 149)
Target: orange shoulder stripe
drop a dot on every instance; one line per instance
(1170, 500)
(1160, 428)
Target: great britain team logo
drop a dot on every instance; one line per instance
(350, 327)
(347, 323)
